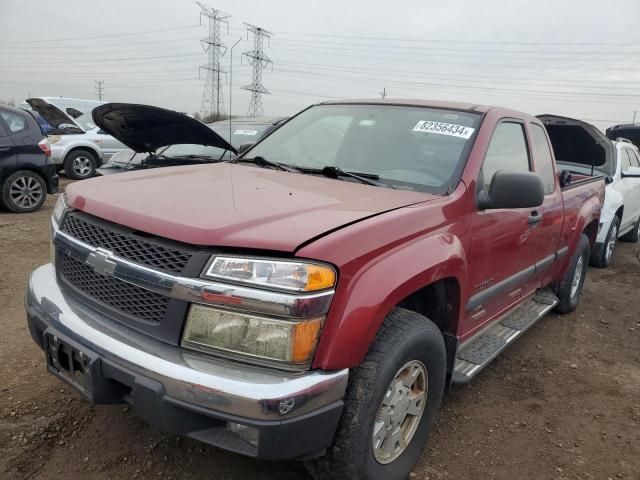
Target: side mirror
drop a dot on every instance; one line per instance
(512, 190)
(633, 172)
(245, 146)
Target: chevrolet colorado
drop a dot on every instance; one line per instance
(313, 298)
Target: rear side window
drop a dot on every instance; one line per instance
(507, 151)
(629, 159)
(16, 123)
(544, 159)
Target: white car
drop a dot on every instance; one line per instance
(77, 145)
(582, 150)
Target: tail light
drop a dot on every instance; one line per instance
(45, 146)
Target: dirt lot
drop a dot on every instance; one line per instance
(562, 403)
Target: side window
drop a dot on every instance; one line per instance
(635, 161)
(16, 123)
(626, 159)
(543, 158)
(507, 151)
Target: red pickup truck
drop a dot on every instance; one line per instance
(314, 298)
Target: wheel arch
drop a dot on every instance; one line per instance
(360, 308)
(89, 147)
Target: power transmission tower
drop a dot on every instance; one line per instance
(259, 61)
(99, 88)
(212, 101)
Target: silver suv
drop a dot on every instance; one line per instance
(77, 145)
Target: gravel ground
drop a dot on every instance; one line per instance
(562, 403)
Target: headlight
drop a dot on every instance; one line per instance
(266, 340)
(272, 273)
(59, 209)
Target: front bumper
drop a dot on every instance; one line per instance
(187, 393)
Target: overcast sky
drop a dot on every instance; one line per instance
(577, 58)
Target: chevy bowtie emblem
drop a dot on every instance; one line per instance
(100, 261)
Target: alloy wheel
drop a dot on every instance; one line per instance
(399, 415)
(577, 276)
(611, 243)
(26, 192)
(82, 166)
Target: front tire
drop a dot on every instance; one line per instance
(634, 235)
(601, 257)
(390, 404)
(23, 192)
(80, 164)
(570, 287)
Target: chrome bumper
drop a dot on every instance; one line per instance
(217, 385)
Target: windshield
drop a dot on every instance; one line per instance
(85, 121)
(241, 133)
(412, 148)
(186, 150)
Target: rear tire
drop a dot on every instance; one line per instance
(634, 235)
(23, 192)
(570, 287)
(80, 164)
(408, 348)
(601, 257)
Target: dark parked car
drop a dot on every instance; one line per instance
(630, 131)
(244, 132)
(26, 171)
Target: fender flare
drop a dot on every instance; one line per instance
(612, 202)
(83, 145)
(359, 310)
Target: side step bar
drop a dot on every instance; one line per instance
(479, 351)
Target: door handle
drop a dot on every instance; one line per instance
(534, 218)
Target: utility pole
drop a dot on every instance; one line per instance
(383, 93)
(634, 116)
(99, 88)
(212, 102)
(258, 60)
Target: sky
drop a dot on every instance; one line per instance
(567, 57)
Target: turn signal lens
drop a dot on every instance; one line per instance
(59, 209)
(261, 338)
(273, 273)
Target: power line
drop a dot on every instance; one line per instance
(113, 35)
(258, 61)
(457, 41)
(212, 102)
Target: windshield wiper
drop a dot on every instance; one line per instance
(263, 162)
(366, 178)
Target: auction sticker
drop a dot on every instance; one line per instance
(441, 128)
(246, 132)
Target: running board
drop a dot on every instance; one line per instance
(477, 353)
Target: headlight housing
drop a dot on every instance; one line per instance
(59, 209)
(279, 342)
(277, 274)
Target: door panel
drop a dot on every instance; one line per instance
(545, 235)
(500, 264)
(8, 157)
(628, 188)
(110, 145)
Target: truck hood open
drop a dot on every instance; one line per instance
(234, 205)
(580, 145)
(144, 128)
(52, 114)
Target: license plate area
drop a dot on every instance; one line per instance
(70, 363)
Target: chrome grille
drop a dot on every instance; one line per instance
(119, 295)
(125, 244)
